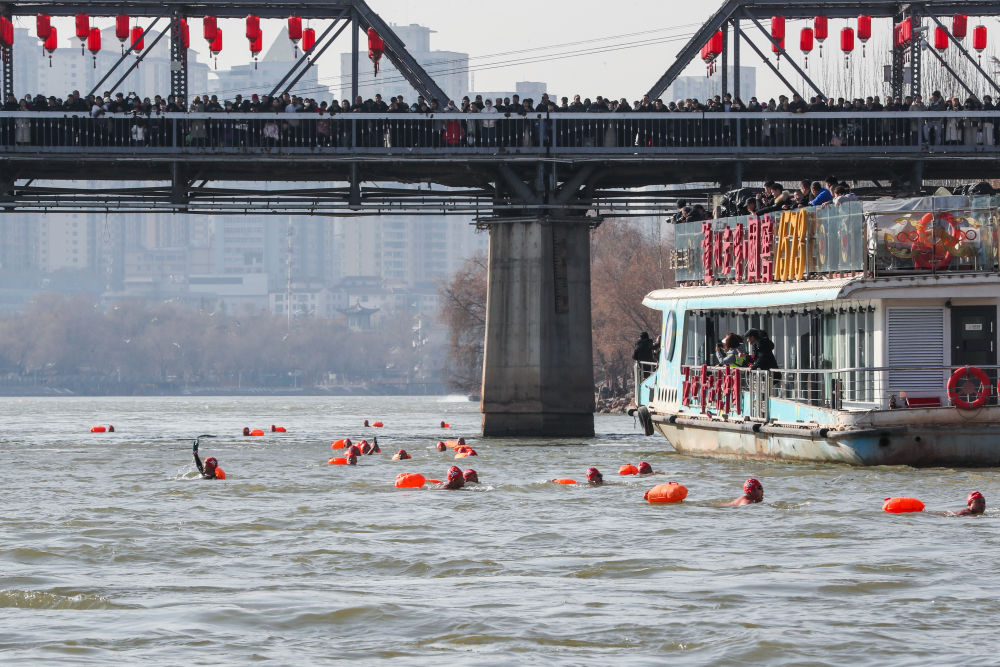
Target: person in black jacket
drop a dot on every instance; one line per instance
(761, 350)
(208, 468)
(643, 349)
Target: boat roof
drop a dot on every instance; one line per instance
(765, 295)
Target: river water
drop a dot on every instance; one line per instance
(113, 549)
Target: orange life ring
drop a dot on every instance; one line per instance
(671, 492)
(984, 388)
(902, 505)
(410, 480)
(628, 469)
(923, 250)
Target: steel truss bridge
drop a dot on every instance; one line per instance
(538, 182)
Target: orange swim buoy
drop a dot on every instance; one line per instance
(902, 505)
(256, 431)
(219, 473)
(280, 429)
(378, 424)
(564, 481)
(340, 444)
(98, 429)
(452, 444)
(338, 461)
(410, 480)
(434, 481)
(628, 469)
(671, 492)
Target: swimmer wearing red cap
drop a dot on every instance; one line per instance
(974, 504)
(455, 479)
(645, 468)
(401, 455)
(471, 475)
(594, 477)
(441, 447)
(753, 492)
(208, 468)
(352, 460)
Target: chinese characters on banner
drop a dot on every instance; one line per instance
(741, 254)
(714, 389)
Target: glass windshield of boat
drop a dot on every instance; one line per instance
(928, 235)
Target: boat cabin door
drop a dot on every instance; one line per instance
(973, 337)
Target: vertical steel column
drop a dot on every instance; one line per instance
(178, 61)
(354, 55)
(7, 55)
(725, 59)
(916, 64)
(736, 61)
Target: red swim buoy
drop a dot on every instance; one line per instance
(219, 473)
(628, 469)
(378, 424)
(410, 480)
(278, 429)
(564, 481)
(445, 425)
(256, 431)
(340, 444)
(902, 505)
(985, 388)
(434, 481)
(338, 461)
(98, 429)
(671, 492)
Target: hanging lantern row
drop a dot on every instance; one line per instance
(376, 47)
(711, 51)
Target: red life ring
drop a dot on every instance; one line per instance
(984, 388)
(923, 251)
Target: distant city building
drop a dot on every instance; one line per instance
(450, 69)
(262, 77)
(703, 87)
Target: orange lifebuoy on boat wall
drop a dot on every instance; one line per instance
(985, 388)
(671, 492)
(902, 505)
(628, 469)
(410, 480)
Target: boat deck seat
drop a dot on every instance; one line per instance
(923, 401)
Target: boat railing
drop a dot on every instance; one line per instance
(881, 388)
(642, 371)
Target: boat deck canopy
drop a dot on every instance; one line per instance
(753, 295)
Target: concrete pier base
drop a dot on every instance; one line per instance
(538, 372)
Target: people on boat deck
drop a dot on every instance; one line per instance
(753, 492)
(643, 349)
(211, 464)
(730, 352)
(974, 504)
(594, 477)
(761, 350)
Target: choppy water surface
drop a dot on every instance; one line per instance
(113, 549)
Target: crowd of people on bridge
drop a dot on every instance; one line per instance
(120, 119)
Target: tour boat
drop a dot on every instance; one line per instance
(883, 316)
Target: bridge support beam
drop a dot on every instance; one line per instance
(538, 374)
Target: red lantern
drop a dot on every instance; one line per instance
(979, 40)
(711, 51)
(905, 32)
(777, 35)
(51, 43)
(121, 27)
(864, 31)
(94, 43)
(847, 44)
(209, 28)
(376, 47)
(43, 24)
(940, 38)
(308, 39)
(82, 31)
(806, 42)
(137, 39)
(253, 27)
(216, 47)
(959, 26)
(6, 31)
(295, 28)
(185, 34)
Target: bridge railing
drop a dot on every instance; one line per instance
(534, 133)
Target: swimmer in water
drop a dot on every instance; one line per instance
(753, 492)
(207, 469)
(645, 468)
(375, 448)
(441, 447)
(974, 504)
(401, 455)
(471, 475)
(365, 448)
(246, 430)
(455, 480)
(111, 428)
(594, 477)
(352, 460)
(353, 450)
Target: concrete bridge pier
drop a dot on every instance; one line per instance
(538, 373)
